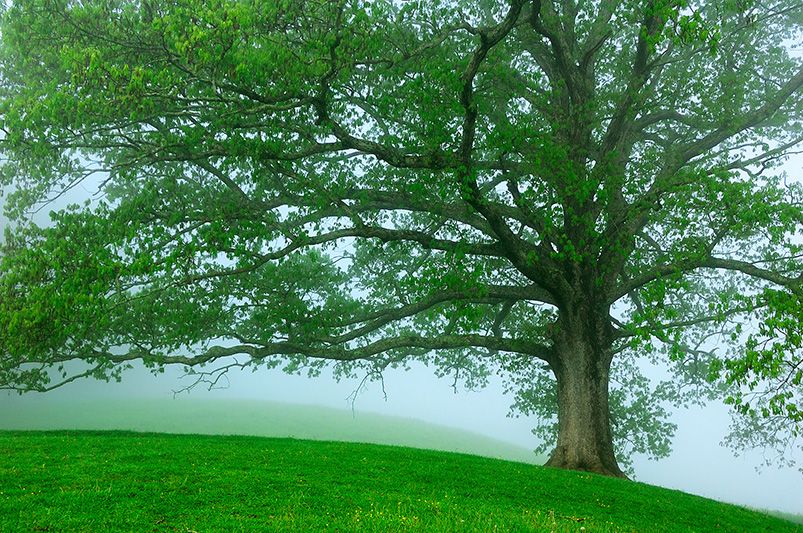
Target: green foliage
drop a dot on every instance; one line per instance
(768, 381)
(125, 481)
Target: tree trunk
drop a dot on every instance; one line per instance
(582, 368)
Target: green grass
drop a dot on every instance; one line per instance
(107, 481)
(247, 417)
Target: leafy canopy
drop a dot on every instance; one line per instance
(374, 182)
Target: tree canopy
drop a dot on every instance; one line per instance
(559, 192)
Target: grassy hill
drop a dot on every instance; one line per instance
(107, 481)
(244, 417)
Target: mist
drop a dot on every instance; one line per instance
(699, 464)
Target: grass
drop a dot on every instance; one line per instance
(248, 417)
(120, 481)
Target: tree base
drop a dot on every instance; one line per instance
(560, 459)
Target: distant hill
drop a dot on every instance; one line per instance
(119, 481)
(259, 418)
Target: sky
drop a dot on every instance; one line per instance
(698, 463)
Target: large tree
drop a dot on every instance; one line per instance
(545, 189)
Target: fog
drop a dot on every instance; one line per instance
(698, 463)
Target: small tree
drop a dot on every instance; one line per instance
(539, 188)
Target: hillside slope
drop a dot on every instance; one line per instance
(155, 482)
(258, 418)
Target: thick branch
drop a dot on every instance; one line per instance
(520, 252)
(483, 295)
(747, 121)
(673, 269)
(368, 351)
(383, 234)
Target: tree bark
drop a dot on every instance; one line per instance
(581, 366)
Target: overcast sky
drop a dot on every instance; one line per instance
(698, 464)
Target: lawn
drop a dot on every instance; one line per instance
(106, 481)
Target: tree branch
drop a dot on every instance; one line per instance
(750, 120)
